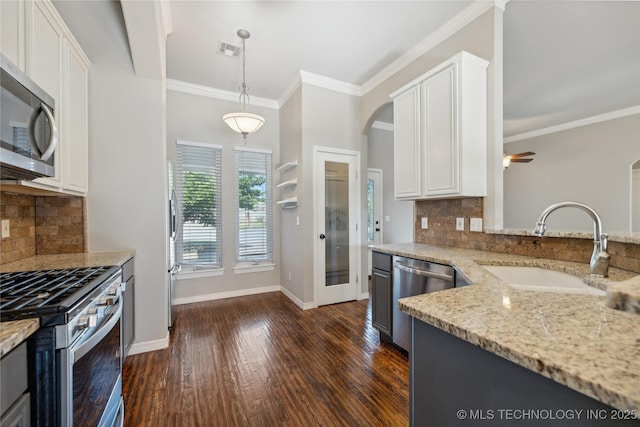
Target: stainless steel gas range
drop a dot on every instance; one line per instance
(75, 358)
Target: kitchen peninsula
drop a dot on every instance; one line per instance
(574, 340)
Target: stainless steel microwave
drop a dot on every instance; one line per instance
(28, 132)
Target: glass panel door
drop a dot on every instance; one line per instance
(335, 219)
(336, 186)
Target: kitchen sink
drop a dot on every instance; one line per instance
(542, 280)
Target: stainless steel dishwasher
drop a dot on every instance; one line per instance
(414, 277)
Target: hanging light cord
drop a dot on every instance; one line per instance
(244, 96)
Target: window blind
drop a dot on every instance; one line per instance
(198, 185)
(254, 213)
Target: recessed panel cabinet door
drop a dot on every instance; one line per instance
(440, 134)
(76, 131)
(406, 110)
(12, 31)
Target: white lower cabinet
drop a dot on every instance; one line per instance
(440, 139)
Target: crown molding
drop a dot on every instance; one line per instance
(575, 124)
(446, 30)
(329, 83)
(319, 81)
(382, 126)
(290, 90)
(210, 92)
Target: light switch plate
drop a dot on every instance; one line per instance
(425, 223)
(475, 224)
(387, 218)
(5, 228)
(460, 224)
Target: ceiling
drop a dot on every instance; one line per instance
(564, 60)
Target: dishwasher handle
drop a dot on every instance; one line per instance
(424, 273)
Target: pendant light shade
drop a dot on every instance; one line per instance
(243, 122)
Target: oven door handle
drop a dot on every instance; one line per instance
(94, 339)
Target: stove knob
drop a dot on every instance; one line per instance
(115, 290)
(108, 300)
(98, 311)
(87, 321)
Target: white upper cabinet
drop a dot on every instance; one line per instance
(75, 111)
(406, 147)
(12, 31)
(53, 59)
(441, 143)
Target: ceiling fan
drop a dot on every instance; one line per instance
(516, 158)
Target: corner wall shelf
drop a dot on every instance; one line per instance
(289, 183)
(288, 165)
(289, 203)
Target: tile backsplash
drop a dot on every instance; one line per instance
(442, 216)
(41, 225)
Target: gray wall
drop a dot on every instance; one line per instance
(127, 157)
(380, 153)
(590, 164)
(291, 220)
(314, 116)
(199, 118)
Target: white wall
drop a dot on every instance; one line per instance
(199, 118)
(590, 164)
(380, 151)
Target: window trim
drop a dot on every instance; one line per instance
(250, 266)
(200, 270)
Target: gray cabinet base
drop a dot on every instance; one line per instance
(454, 383)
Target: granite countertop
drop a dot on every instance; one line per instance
(87, 259)
(15, 332)
(573, 339)
(12, 334)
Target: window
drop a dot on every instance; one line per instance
(254, 217)
(199, 194)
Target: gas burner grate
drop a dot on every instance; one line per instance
(46, 290)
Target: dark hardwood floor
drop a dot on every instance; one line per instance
(261, 361)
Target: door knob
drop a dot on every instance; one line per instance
(322, 236)
(377, 229)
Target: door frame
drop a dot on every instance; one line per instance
(378, 208)
(318, 270)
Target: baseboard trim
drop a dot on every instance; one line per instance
(297, 301)
(222, 295)
(146, 346)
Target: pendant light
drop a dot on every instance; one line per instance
(243, 122)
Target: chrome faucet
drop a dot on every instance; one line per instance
(599, 265)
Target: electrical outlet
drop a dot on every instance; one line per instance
(475, 224)
(297, 223)
(460, 224)
(425, 222)
(289, 276)
(5, 228)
